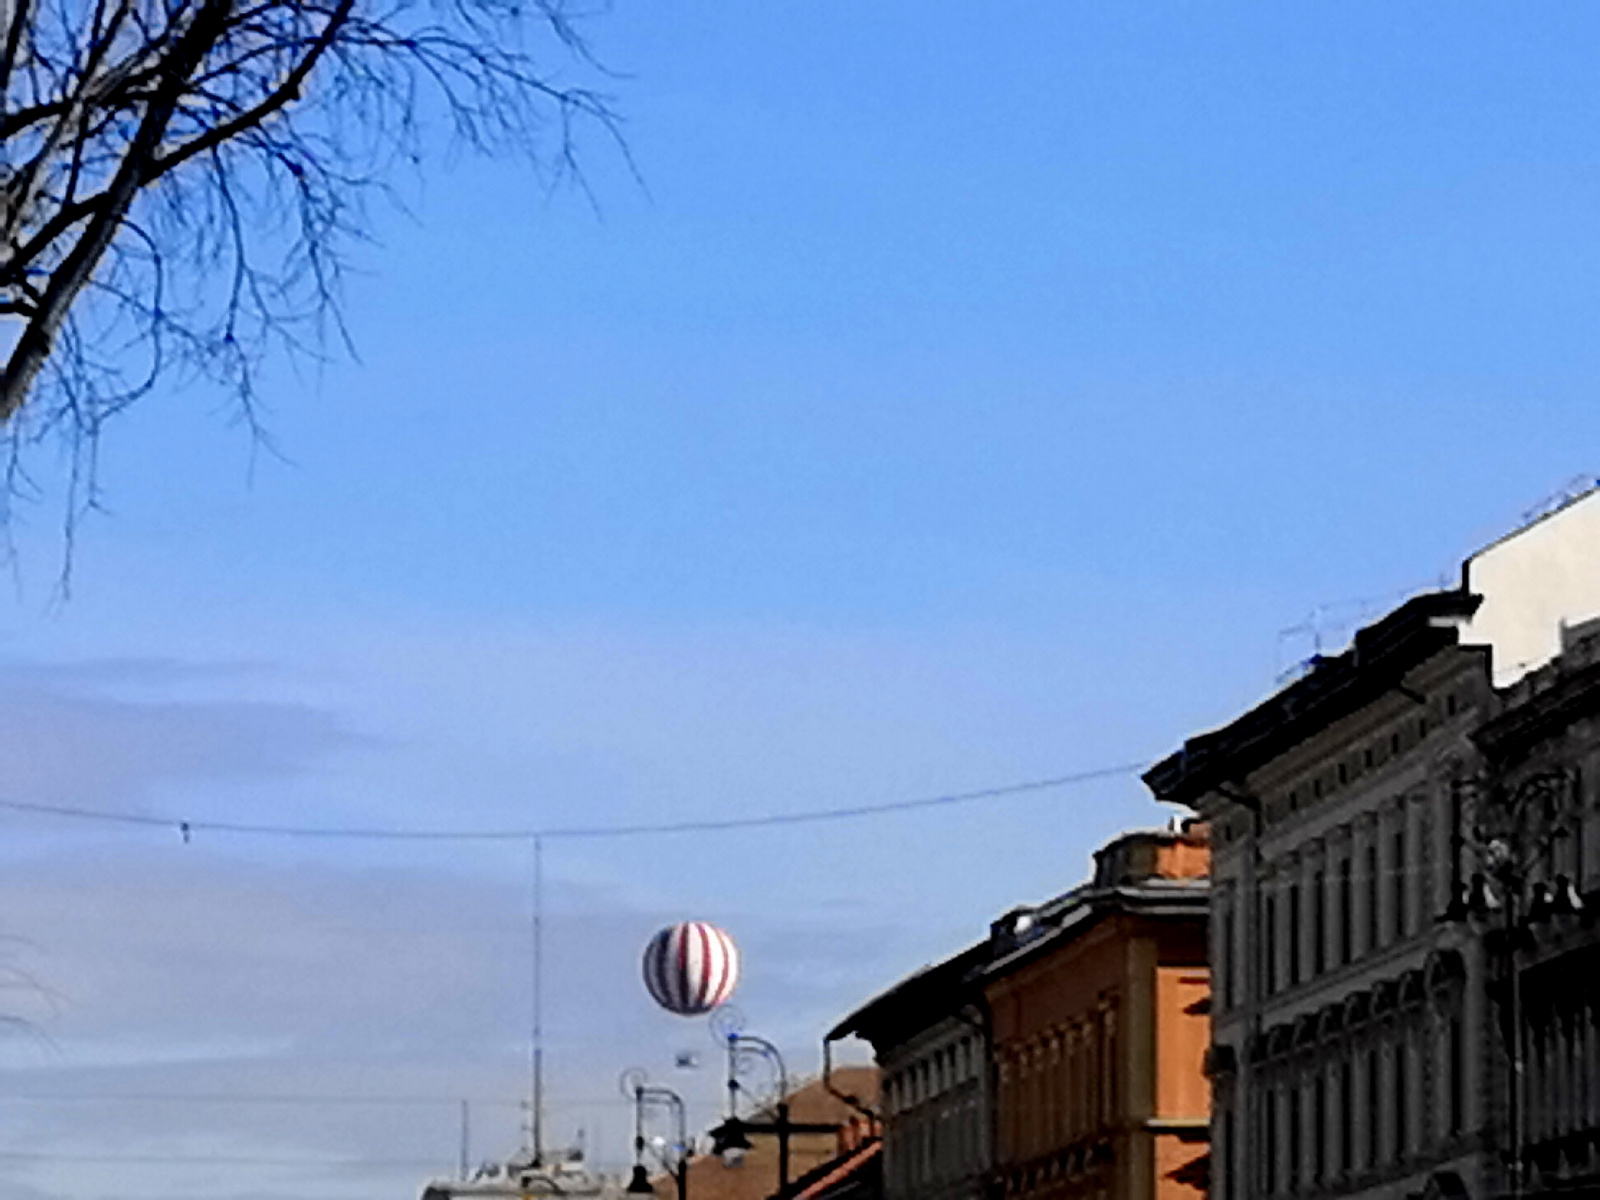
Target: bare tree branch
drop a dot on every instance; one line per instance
(180, 180)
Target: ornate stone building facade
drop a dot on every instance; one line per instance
(1544, 746)
(1360, 1039)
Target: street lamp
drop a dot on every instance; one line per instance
(730, 1141)
(645, 1095)
(1504, 902)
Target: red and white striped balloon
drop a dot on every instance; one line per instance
(691, 967)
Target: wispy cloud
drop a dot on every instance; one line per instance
(243, 1000)
(71, 740)
(262, 1000)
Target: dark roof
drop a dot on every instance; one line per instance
(1376, 662)
(916, 1002)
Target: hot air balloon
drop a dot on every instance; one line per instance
(691, 967)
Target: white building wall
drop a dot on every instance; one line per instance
(1535, 582)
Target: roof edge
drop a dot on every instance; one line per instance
(1378, 658)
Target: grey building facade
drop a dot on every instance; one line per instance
(1363, 1020)
(1341, 1010)
(930, 1035)
(1544, 746)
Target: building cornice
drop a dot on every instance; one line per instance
(1573, 696)
(1171, 899)
(917, 1002)
(1377, 662)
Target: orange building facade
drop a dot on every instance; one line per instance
(1099, 1024)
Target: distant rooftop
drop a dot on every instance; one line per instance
(1156, 871)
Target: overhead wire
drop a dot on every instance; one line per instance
(267, 1098)
(292, 1099)
(188, 827)
(214, 1160)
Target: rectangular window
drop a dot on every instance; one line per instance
(1398, 885)
(1402, 1105)
(1575, 840)
(1112, 1065)
(1319, 924)
(1294, 933)
(1269, 948)
(1296, 1154)
(1319, 1129)
(1228, 1159)
(1075, 1079)
(1094, 1074)
(1225, 952)
(1374, 1110)
(1372, 899)
(1455, 1068)
(1457, 839)
(1347, 1116)
(1578, 839)
(1269, 1142)
(1347, 926)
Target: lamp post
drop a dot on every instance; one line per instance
(644, 1095)
(1504, 901)
(731, 1140)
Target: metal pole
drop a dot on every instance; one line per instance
(536, 1056)
(1506, 857)
(765, 1048)
(678, 1165)
(776, 1058)
(681, 1175)
(683, 1146)
(782, 1127)
(783, 1148)
(638, 1124)
(1513, 898)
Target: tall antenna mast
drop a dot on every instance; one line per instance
(536, 1044)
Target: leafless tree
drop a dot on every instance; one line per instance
(180, 180)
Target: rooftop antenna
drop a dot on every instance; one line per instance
(1333, 619)
(1577, 486)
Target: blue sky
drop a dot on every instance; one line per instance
(958, 396)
